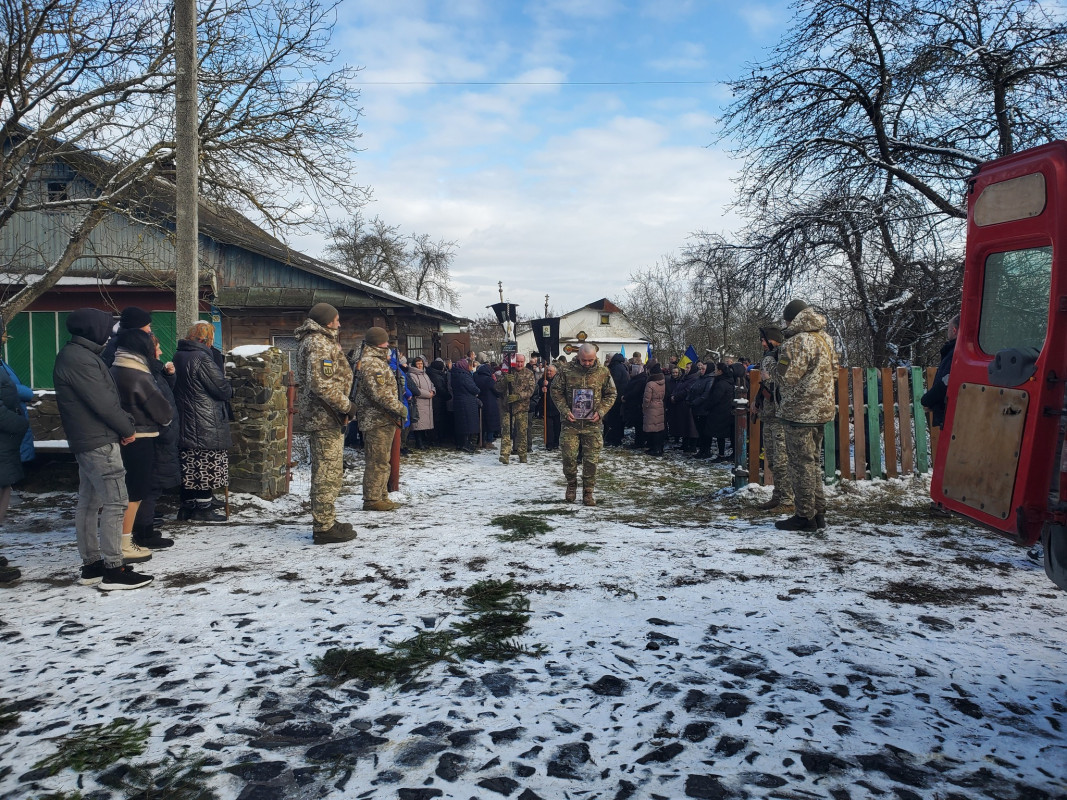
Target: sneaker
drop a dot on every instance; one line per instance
(380, 505)
(134, 553)
(123, 578)
(797, 523)
(9, 574)
(195, 512)
(340, 532)
(1036, 553)
(3, 561)
(92, 574)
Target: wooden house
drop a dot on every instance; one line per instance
(253, 287)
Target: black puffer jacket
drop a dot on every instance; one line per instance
(167, 470)
(85, 392)
(201, 392)
(138, 393)
(12, 428)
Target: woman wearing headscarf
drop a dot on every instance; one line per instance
(423, 390)
(201, 392)
(465, 405)
(150, 409)
(653, 422)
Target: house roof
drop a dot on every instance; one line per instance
(228, 226)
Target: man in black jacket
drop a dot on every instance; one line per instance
(936, 399)
(96, 427)
(613, 420)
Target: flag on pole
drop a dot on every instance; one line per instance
(650, 350)
(689, 357)
(622, 350)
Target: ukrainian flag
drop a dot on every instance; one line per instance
(689, 357)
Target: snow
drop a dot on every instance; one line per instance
(748, 648)
(250, 350)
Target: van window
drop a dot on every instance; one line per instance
(1015, 299)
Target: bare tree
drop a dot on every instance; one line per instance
(87, 86)
(372, 252)
(431, 280)
(659, 302)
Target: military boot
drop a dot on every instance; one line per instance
(380, 505)
(340, 532)
(797, 523)
(572, 491)
(587, 496)
(505, 460)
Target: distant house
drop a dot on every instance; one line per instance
(601, 323)
(255, 288)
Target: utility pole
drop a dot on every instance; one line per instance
(187, 164)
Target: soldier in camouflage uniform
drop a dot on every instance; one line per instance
(380, 412)
(805, 372)
(766, 407)
(325, 379)
(583, 392)
(515, 408)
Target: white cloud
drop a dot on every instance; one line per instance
(761, 19)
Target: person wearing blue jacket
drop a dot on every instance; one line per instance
(25, 395)
(13, 425)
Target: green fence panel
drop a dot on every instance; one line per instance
(17, 349)
(164, 326)
(45, 343)
(874, 423)
(829, 452)
(918, 413)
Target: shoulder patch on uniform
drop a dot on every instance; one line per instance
(327, 367)
(784, 361)
(380, 380)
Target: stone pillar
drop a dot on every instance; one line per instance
(261, 417)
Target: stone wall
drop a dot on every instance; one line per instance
(260, 409)
(261, 416)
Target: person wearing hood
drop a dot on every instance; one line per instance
(96, 428)
(380, 413)
(25, 395)
(131, 318)
(325, 380)
(654, 422)
(151, 411)
(804, 374)
(437, 372)
(13, 427)
(202, 393)
(583, 391)
(614, 424)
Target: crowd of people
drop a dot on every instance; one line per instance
(139, 426)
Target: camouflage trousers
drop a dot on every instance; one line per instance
(377, 450)
(516, 424)
(327, 471)
(776, 458)
(803, 444)
(590, 437)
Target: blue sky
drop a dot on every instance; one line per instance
(530, 134)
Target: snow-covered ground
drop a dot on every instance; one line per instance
(697, 653)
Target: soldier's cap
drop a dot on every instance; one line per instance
(323, 313)
(772, 333)
(794, 308)
(376, 337)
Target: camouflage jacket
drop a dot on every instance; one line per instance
(324, 376)
(518, 384)
(806, 370)
(573, 376)
(377, 401)
(769, 397)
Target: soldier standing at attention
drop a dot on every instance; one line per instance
(325, 380)
(766, 407)
(380, 412)
(807, 365)
(583, 392)
(515, 408)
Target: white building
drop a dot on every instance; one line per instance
(601, 323)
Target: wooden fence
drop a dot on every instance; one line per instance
(886, 438)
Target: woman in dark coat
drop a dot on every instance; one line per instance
(166, 471)
(13, 426)
(685, 425)
(633, 415)
(442, 418)
(201, 392)
(465, 405)
(699, 400)
(719, 421)
(142, 400)
(489, 394)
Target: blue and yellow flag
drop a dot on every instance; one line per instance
(689, 357)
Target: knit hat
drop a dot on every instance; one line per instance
(772, 333)
(656, 370)
(134, 317)
(794, 308)
(323, 313)
(376, 337)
